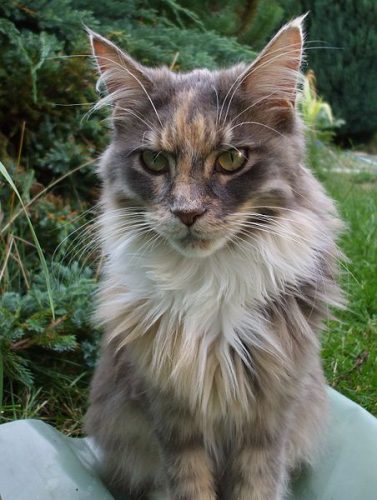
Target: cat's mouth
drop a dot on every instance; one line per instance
(192, 245)
(193, 240)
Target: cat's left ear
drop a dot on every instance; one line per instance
(123, 76)
(273, 77)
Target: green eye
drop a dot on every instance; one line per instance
(231, 160)
(155, 161)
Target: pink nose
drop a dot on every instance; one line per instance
(188, 217)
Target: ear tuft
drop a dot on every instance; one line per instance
(107, 54)
(123, 76)
(298, 22)
(272, 78)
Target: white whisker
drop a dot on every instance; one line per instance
(256, 123)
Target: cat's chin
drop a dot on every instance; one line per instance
(195, 247)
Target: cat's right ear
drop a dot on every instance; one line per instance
(123, 77)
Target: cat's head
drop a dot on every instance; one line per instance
(202, 158)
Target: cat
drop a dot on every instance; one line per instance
(220, 267)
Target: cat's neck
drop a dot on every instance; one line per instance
(253, 271)
(183, 317)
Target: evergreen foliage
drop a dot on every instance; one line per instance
(347, 70)
(26, 322)
(251, 22)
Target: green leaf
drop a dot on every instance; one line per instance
(42, 259)
(1, 377)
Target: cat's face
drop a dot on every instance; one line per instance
(202, 158)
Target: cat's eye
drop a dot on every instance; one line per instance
(155, 161)
(230, 161)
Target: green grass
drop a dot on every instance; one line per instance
(58, 397)
(350, 345)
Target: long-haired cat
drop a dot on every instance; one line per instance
(220, 268)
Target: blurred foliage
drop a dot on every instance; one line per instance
(342, 52)
(251, 22)
(319, 120)
(40, 86)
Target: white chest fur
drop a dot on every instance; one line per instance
(194, 316)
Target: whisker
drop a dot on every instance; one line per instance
(217, 105)
(136, 115)
(286, 233)
(80, 228)
(256, 123)
(258, 101)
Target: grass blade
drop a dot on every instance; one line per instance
(1, 381)
(42, 259)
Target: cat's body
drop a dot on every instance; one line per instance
(220, 271)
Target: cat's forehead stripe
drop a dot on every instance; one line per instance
(190, 127)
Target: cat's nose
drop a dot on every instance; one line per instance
(188, 217)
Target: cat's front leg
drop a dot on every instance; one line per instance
(255, 473)
(189, 473)
(188, 468)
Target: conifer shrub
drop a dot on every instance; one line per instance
(345, 60)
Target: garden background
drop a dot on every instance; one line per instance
(50, 141)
